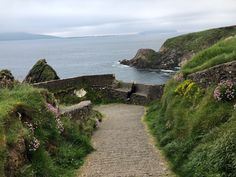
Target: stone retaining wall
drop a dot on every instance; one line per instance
(144, 93)
(226, 71)
(78, 112)
(107, 86)
(77, 82)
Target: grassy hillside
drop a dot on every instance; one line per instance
(196, 127)
(195, 42)
(39, 143)
(224, 51)
(197, 134)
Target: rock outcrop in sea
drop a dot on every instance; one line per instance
(175, 52)
(142, 59)
(41, 72)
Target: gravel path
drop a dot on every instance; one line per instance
(123, 146)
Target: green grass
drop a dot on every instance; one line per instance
(59, 154)
(196, 135)
(195, 42)
(222, 52)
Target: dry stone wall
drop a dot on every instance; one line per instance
(226, 71)
(78, 112)
(78, 82)
(107, 86)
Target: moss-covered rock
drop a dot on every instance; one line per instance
(41, 72)
(6, 74)
(142, 58)
(6, 79)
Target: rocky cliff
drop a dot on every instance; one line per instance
(175, 52)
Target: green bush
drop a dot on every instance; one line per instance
(189, 89)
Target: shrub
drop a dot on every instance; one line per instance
(189, 89)
(180, 90)
(225, 91)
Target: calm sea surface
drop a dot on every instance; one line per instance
(83, 56)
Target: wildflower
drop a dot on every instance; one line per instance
(225, 91)
(60, 126)
(56, 111)
(30, 126)
(34, 144)
(53, 109)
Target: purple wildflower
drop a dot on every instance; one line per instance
(225, 91)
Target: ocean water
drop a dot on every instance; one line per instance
(73, 57)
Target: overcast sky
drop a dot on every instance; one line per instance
(99, 17)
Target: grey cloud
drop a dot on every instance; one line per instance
(91, 17)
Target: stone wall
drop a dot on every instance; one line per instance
(226, 71)
(144, 93)
(107, 86)
(78, 112)
(78, 82)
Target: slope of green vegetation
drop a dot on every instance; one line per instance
(196, 132)
(195, 42)
(224, 51)
(196, 127)
(52, 147)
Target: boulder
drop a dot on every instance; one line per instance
(6, 74)
(41, 72)
(142, 58)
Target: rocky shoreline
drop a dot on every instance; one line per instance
(175, 52)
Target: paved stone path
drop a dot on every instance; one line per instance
(123, 146)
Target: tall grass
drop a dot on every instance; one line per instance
(195, 42)
(222, 52)
(197, 135)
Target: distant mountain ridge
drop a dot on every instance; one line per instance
(24, 36)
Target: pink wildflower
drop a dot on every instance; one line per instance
(225, 90)
(53, 109)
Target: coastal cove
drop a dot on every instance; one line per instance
(96, 125)
(84, 56)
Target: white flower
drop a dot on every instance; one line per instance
(34, 144)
